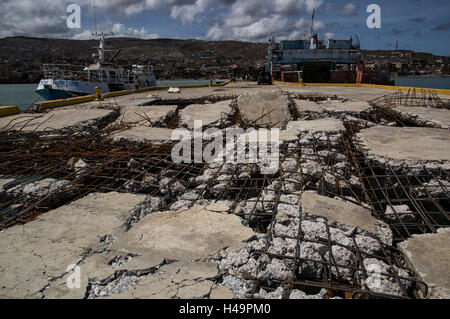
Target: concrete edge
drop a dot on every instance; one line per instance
(9, 110)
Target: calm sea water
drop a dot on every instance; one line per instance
(23, 95)
(430, 83)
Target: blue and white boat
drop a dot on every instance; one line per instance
(64, 81)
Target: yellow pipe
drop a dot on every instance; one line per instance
(9, 110)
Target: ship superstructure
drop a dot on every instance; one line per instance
(64, 80)
(314, 60)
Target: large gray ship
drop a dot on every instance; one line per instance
(314, 60)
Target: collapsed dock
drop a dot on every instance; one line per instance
(361, 191)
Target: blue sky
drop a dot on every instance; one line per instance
(418, 25)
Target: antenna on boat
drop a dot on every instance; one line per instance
(312, 22)
(95, 19)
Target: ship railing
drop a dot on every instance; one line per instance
(77, 73)
(63, 72)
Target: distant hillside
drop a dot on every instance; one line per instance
(22, 56)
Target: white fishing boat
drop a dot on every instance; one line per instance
(64, 80)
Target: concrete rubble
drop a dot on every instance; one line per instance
(429, 255)
(146, 115)
(416, 147)
(439, 118)
(265, 108)
(211, 115)
(64, 120)
(351, 203)
(143, 134)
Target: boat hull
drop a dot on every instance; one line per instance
(50, 89)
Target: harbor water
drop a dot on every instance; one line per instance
(24, 95)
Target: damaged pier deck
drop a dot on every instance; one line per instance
(358, 207)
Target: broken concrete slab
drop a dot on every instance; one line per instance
(189, 234)
(265, 108)
(345, 213)
(145, 115)
(209, 114)
(328, 125)
(144, 134)
(427, 116)
(221, 292)
(185, 280)
(78, 119)
(413, 144)
(429, 256)
(343, 106)
(35, 255)
(307, 106)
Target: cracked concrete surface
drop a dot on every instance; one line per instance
(34, 254)
(432, 117)
(345, 213)
(55, 120)
(145, 115)
(133, 246)
(143, 134)
(156, 258)
(407, 143)
(187, 234)
(429, 255)
(265, 108)
(209, 114)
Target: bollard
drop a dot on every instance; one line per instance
(98, 94)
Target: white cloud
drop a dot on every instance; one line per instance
(28, 17)
(120, 30)
(252, 20)
(329, 35)
(255, 20)
(188, 12)
(348, 9)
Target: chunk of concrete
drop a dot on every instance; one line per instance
(440, 117)
(185, 235)
(346, 106)
(265, 108)
(145, 115)
(307, 106)
(144, 134)
(429, 256)
(186, 280)
(221, 292)
(407, 143)
(34, 254)
(345, 213)
(209, 114)
(55, 120)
